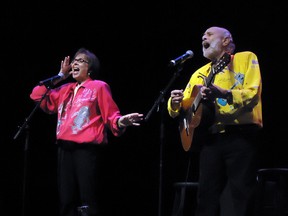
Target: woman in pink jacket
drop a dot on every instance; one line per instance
(86, 111)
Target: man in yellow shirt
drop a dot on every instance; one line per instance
(230, 88)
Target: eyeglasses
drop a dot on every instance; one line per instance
(80, 60)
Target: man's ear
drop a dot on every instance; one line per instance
(226, 41)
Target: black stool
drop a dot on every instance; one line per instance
(180, 197)
(273, 192)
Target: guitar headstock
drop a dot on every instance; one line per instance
(222, 63)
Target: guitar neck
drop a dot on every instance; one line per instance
(207, 82)
(196, 102)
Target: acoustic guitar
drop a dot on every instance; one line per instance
(192, 109)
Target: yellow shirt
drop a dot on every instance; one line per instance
(243, 77)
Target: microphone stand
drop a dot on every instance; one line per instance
(25, 126)
(159, 106)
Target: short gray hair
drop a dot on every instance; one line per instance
(231, 46)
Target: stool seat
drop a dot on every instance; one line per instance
(186, 184)
(180, 196)
(272, 173)
(272, 191)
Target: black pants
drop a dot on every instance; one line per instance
(77, 177)
(228, 157)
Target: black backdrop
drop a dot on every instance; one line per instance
(134, 42)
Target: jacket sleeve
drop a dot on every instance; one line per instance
(245, 95)
(49, 103)
(109, 110)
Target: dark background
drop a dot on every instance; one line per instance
(134, 42)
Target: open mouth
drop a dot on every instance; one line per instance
(75, 71)
(205, 44)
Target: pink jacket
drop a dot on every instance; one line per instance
(85, 117)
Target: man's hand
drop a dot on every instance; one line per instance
(213, 91)
(176, 98)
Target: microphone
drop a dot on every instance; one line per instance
(50, 81)
(181, 59)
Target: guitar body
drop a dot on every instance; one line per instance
(200, 119)
(190, 118)
(194, 109)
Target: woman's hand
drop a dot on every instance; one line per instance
(131, 119)
(65, 67)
